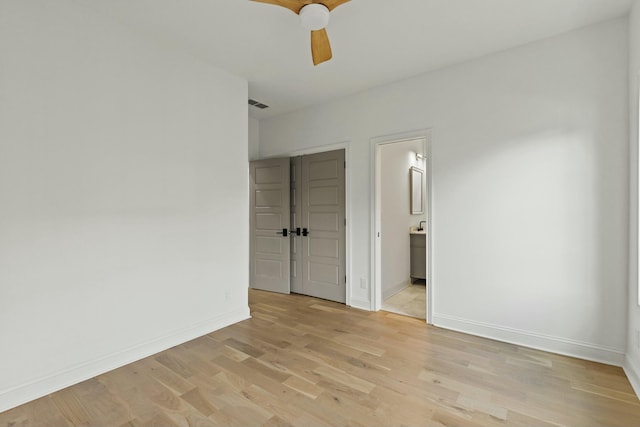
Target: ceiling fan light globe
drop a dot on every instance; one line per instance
(314, 16)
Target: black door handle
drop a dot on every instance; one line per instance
(283, 232)
(305, 232)
(295, 232)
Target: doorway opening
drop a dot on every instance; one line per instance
(402, 224)
(297, 226)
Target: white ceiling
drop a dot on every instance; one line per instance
(374, 41)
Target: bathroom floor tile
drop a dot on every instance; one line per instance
(411, 301)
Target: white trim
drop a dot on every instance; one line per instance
(312, 150)
(567, 347)
(345, 145)
(375, 290)
(633, 374)
(375, 293)
(361, 304)
(636, 133)
(15, 396)
(430, 229)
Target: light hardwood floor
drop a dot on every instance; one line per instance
(308, 362)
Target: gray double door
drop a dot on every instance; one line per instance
(297, 223)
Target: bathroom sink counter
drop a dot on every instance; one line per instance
(414, 230)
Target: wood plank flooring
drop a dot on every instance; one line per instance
(301, 361)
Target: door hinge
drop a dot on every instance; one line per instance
(345, 164)
(345, 222)
(345, 279)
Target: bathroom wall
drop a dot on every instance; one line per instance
(395, 219)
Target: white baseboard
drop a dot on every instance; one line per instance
(395, 289)
(633, 374)
(360, 304)
(10, 398)
(573, 348)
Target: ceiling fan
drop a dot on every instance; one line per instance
(314, 16)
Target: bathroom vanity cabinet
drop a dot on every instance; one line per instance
(418, 243)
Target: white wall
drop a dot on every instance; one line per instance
(395, 215)
(122, 227)
(254, 139)
(632, 362)
(529, 186)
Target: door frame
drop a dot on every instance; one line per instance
(345, 145)
(376, 249)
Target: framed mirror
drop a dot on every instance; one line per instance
(416, 190)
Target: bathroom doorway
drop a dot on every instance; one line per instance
(402, 224)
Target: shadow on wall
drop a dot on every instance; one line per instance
(540, 205)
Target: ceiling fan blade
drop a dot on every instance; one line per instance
(331, 4)
(292, 5)
(320, 46)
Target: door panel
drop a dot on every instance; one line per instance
(268, 269)
(269, 198)
(269, 221)
(325, 169)
(268, 175)
(269, 203)
(322, 196)
(324, 221)
(327, 248)
(326, 274)
(268, 245)
(323, 214)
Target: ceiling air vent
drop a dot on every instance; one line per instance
(257, 104)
